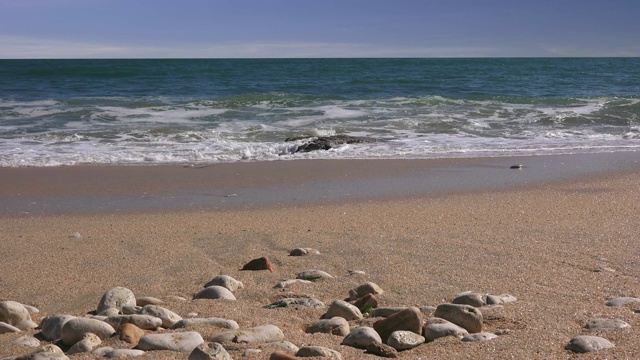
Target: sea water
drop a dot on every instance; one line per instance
(153, 111)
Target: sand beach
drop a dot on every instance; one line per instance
(560, 234)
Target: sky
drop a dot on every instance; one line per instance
(318, 28)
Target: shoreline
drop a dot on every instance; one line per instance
(106, 188)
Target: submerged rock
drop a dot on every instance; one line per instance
(327, 142)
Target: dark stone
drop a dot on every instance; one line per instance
(366, 302)
(328, 142)
(382, 350)
(262, 263)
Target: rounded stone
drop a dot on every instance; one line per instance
(116, 298)
(215, 292)
(286, 346)
(146, 322)
(286, 283)
(311, 351)
(27, 341)
(587, 343)
(296, 303)
(621, 301)
(404, 340)
(481, 336)
(258, 334)
(364, 289)
(52, 325)
(181, 342)
(6, 328)
(109, 312)
(466, 316)
(469, 298)
(74, 330)
(212, 321)
(436, 328)
(506, 298)
(168, 317)
(209, 351)
(87, 344)
(131, 333)
(386, 311)
(334, 326)
(225, 281)
(313, 275)
(409, 319)
(14, 313)
(148, 300)
(344, 310)
(382, 350)
(123, 353)
(304, 252)
(606, 324)
(361, 336)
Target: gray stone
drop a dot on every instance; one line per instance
(14, 313)
(52, 325)
(409, 319)
(132, 310)
(427, 310)
(225, 281)
(404, 340)
(386, 311)
(606, 324)
(466, 316)
(109, 312)
(116, 298)
(148, 300)
(364, 289)
(296, 303)
(212, 321)
(181, 342)
(481, 336)
(344, 310)
(215, 292)
(311, 351)
(87, 344)
(168, 317)
(124, 353)
(209, 351)
(586, 343)
(146, 322)
(436, 328)
(334, 326)
(75, 329)
(361, 336)
(304, 252)
(7, 328)
(621, 301)
(46, 352)
(469, 298)
(313, 275)
(492, 300)
(28, 341)
(286, 283)
(506, 298)
(287, 346)
(102, 351)
(258, 334)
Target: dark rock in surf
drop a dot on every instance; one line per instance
(327, 142)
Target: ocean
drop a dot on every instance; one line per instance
(156, 111)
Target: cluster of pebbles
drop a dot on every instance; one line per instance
(145, 325)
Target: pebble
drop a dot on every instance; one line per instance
(287, 346)
(587, 343)
(168, 317)
(27, 341)
(304, 252)
(436, 328)
(131, 333)
(146, 322)
(215, 292)
(258, 334)
(123, 353)
(606, 324)
(343, 309)
(311, 351)
(212, 321)
(225, 281)
(286, 283)
(409, 319)
(621, 301)
(356, 272)
(14, 313)
(334, 326)
(361, 336)
(209, 351)
(87, 344)
(7, 328)
(52, 325)
(481, 336)
(382, 350)
(148, 300)
(313, 275)
(181, 342)
(74, 330)
(469, 298)
(262, 263)
(404, 340)
(465, 316)
(386, 311)
(296, 303)
(364, 289)
(116, 298)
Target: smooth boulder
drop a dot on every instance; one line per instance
(215, 292)
(319, 351)
(116, 298)
(212, 321)
(168, 317)
(258, 334)
(436, 328)
(466, 316)
(225, 281)
(15, 314)
(361, 336)
(344, 310)
(52, 325)
(587, 343)
(334, 326)
(404, 340)
(74, 330)
(409, 319)
(181, 342)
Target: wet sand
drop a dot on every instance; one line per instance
(536, 233)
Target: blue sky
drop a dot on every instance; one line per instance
(321, 28)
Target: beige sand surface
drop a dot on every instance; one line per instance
(538, 243)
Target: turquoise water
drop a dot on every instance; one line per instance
(57, 112)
